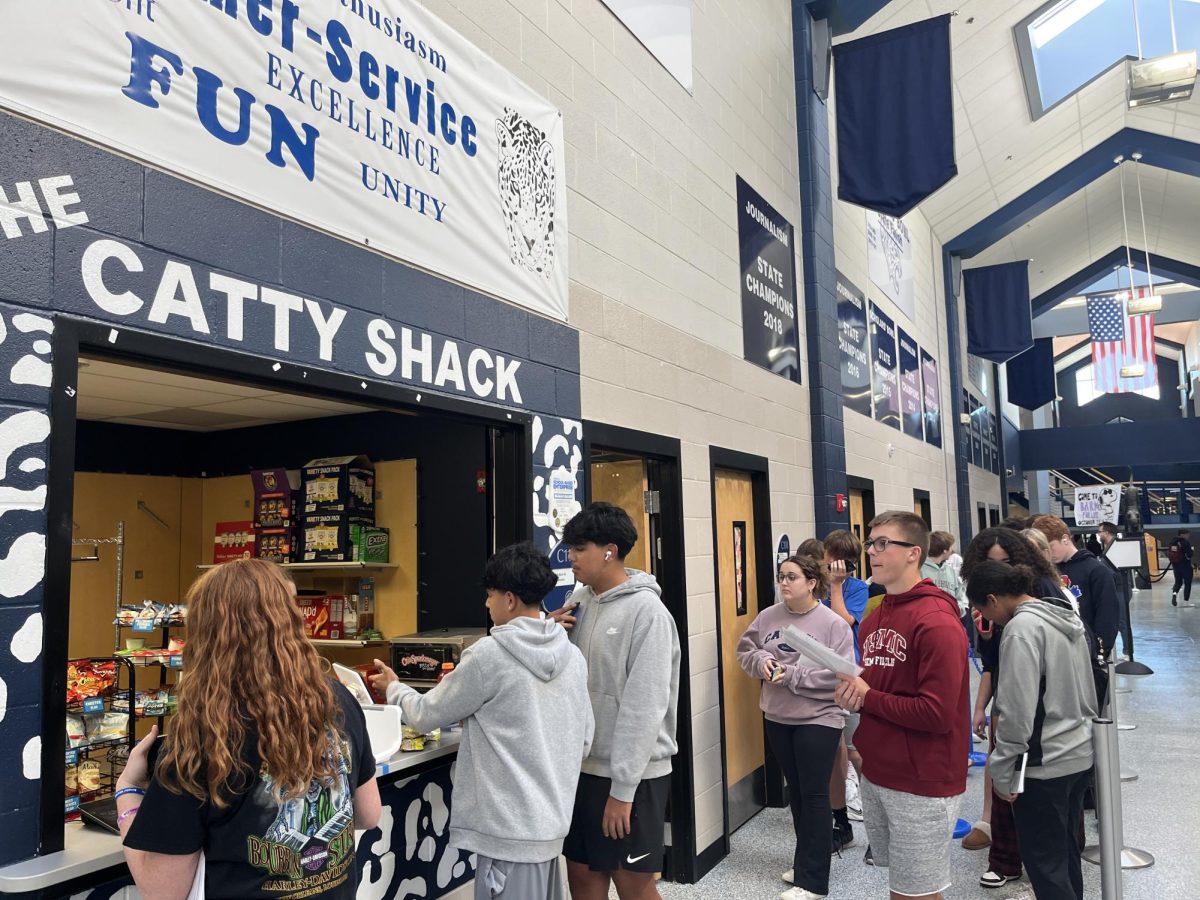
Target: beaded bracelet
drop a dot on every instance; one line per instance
(125, 815)
(129, 790)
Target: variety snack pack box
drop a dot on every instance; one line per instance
(276, 517)
(233, 540)
(339, 485)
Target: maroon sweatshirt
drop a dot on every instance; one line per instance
(913, 735)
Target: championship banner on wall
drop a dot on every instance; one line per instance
(372, 120)
(890, 261)
(1097, 504)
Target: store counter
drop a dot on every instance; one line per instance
(411, 841)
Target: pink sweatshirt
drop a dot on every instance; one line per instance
(804, 696)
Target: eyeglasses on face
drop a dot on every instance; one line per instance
(880, 544)
(788, 577)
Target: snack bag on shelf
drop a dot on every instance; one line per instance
(76, 734)
(88, 778)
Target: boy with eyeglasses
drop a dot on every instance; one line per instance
(913, 697)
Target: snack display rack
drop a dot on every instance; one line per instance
(94, 763)
(166, 656)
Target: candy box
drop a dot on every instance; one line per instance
(276, 544)
(233, 540)
(339, 485)
(275, 493)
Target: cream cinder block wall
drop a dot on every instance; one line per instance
(653, 251)
(896, 462)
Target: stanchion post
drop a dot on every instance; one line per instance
(1113, 704)
(1108, 853)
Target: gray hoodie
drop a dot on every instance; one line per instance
(632, 649)
(1045, 696)
(524, 735)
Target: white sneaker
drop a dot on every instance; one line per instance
(789, 876)
(798, 893)
(854, 813)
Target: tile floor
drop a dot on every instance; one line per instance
(1161, 808)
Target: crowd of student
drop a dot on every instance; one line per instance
(569, 720)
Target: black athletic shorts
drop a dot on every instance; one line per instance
(641, 850)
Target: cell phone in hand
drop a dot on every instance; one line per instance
(154, 752)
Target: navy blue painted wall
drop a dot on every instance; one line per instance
(1107, 407)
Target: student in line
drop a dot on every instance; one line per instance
(1088, 579)
(997, 830)
(1045, 701)
(934, 568)
(804, 724)
(913, 696)
(1124, 581)
(848, 598)
(518, 693)
(617, 618)
(259, 765)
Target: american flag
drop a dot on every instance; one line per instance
(1119, 339)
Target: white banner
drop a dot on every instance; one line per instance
(369, 119)
(890, 260)
(1097, 504)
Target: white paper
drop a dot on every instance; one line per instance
(354, 683)
(820, 655)
(1019, 787)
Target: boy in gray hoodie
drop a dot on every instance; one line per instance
(632, 649)
(524, 730)
(1045, 701)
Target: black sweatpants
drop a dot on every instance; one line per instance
(806, 754)
(1183, 577)
(1048, 815)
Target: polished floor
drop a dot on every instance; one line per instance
(1162, 808)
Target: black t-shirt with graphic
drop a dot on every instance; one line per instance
(256, 847)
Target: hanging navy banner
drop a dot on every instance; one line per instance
(883, 364)
(932, 398)
(911, 407)
(999, 316)
(1031, 376)
(895, 116)
(852, 343)
(976, 432)
(768, 285)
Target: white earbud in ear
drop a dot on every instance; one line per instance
(607, 555)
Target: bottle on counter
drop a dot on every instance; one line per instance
(447, 668)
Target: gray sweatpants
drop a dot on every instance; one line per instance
(496, 879)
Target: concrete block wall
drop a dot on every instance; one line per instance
(654, 259)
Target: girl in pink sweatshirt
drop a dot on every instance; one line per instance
(804, 724)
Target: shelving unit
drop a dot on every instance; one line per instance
(175, 664)
(114, 759)
(346, 642)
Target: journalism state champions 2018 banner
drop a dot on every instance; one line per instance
(374, 121)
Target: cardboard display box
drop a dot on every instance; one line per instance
(323, 616)
(329, 538)
(275, 495)
(370, 543)
(339, 485)
(278, 545)
(233, 540)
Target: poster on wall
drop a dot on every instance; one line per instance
(993, 442)
(932, 401)
(883, 366)
(976, 431)
(665, 29)
(911, 406)
(768, 283)
(890, 260)
(1097, 504)
(377, 123)
(852, 346)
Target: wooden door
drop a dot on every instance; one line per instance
(858, 528)
(737, 602)
(623, 483)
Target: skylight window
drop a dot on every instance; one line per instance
(1066, 44)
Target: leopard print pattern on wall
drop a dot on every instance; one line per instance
(527, 191)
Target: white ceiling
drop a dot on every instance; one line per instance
(111, 392)
(1002, 153)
